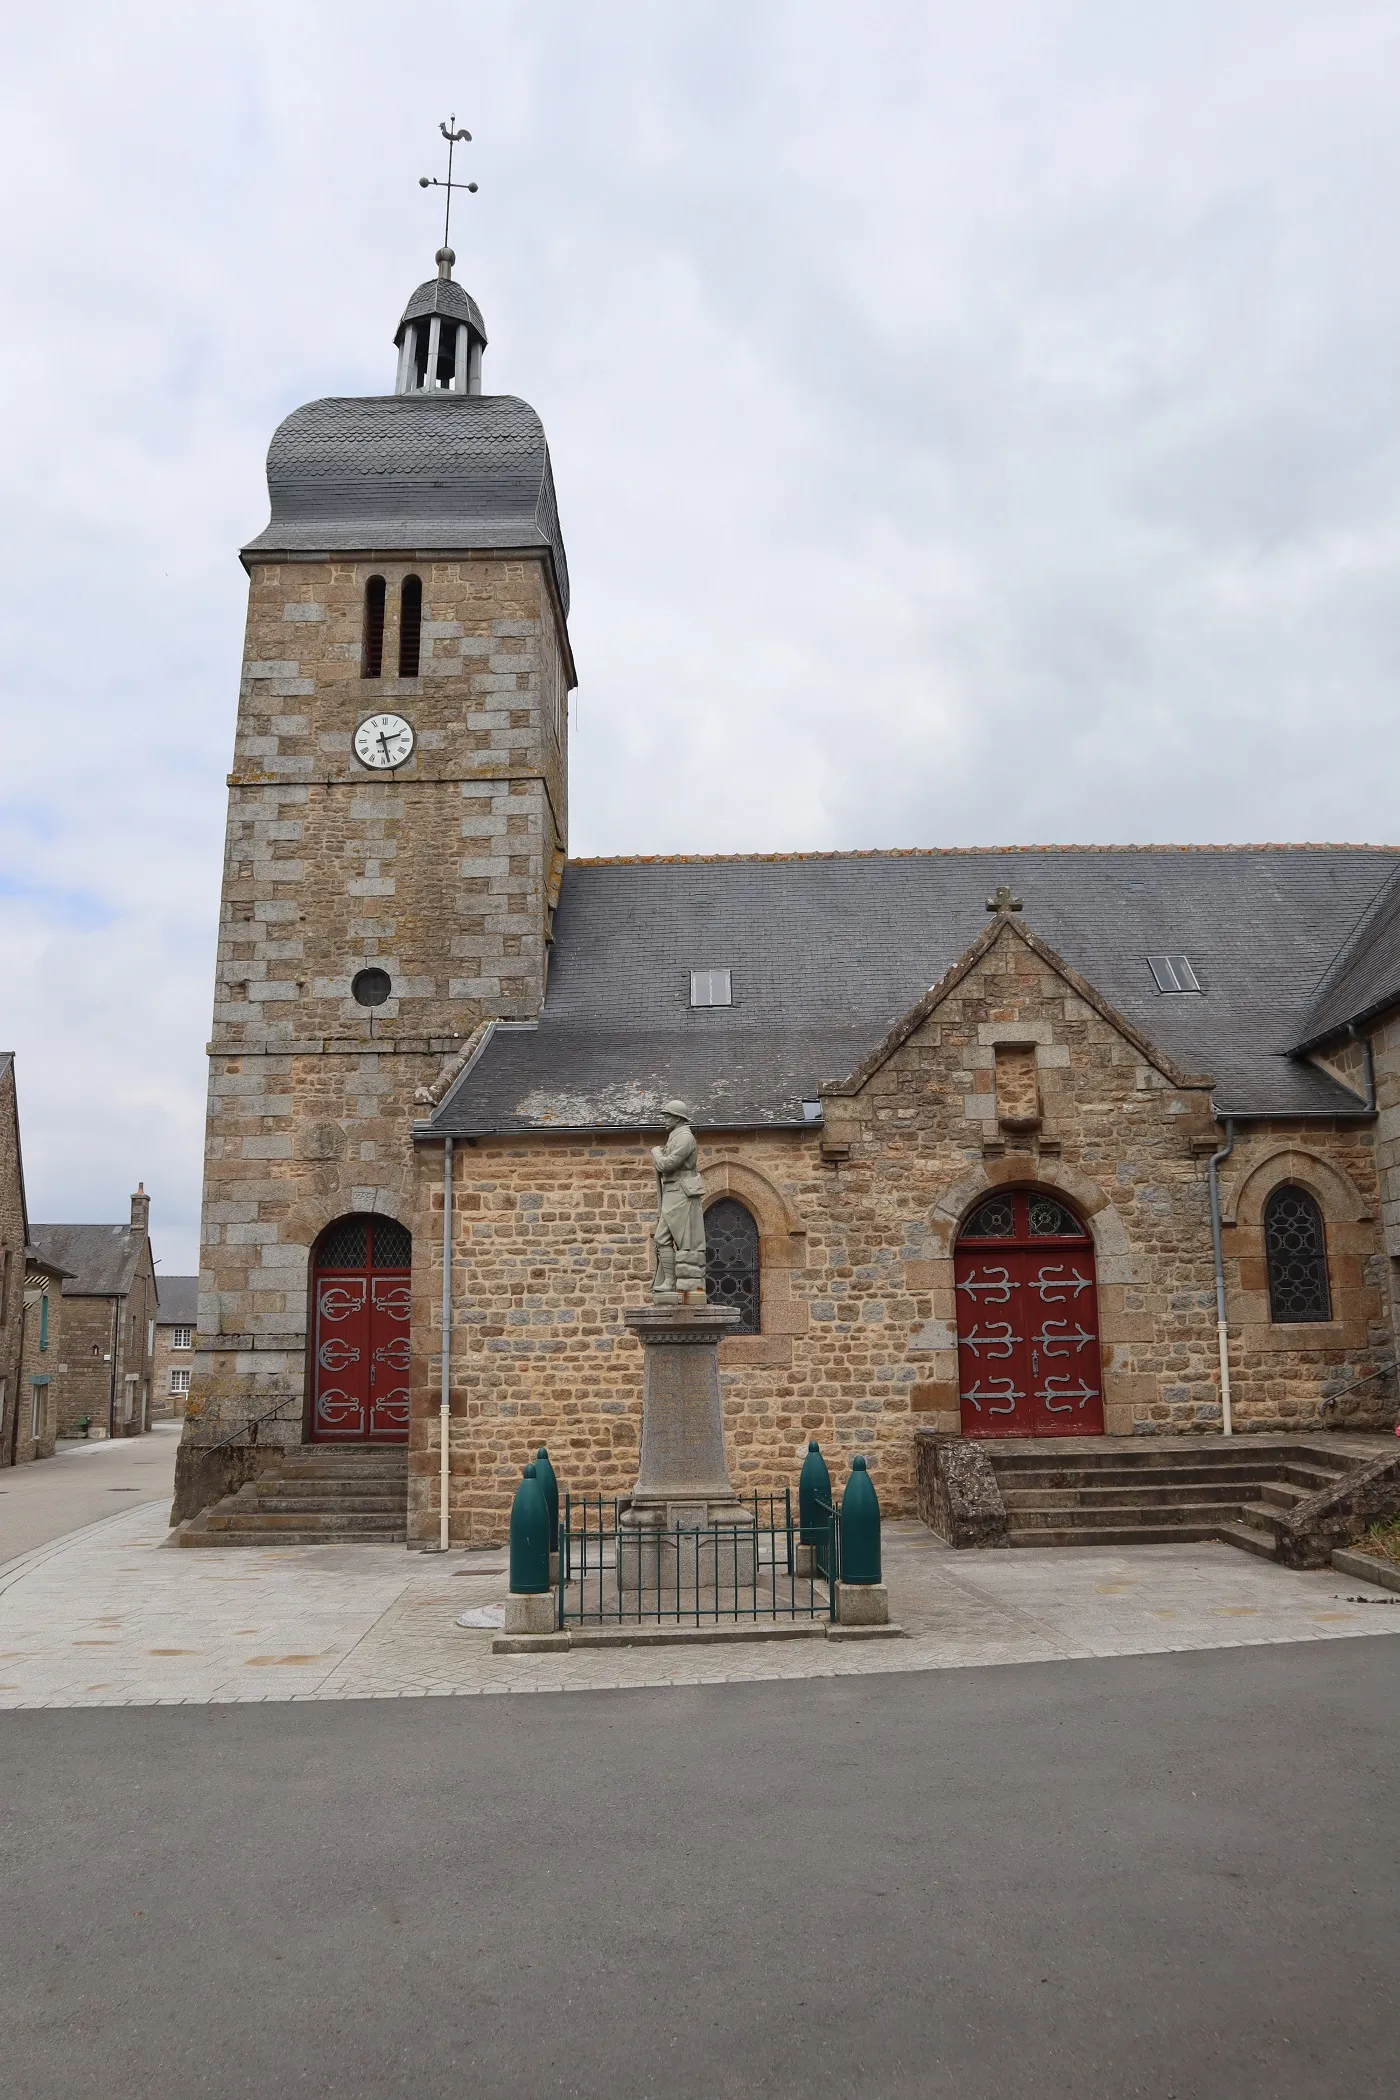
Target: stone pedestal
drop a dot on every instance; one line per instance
(530, 1613)
(666, 1535)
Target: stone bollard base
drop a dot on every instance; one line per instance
(530, 1614)
(862, 1604)
(554, 1571)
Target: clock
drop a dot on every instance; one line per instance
(383, 742)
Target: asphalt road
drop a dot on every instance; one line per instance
(1166, 1876)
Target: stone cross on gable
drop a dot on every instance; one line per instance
(1003, 898)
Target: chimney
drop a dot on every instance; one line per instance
(141, 1209)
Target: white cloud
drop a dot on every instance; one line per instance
(970, 425)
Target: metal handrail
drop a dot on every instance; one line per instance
(1367, 1378)
(273, 1414)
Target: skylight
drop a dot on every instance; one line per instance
(710, 988)
(1173, 973)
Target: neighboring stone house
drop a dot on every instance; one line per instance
(36, 1427)
(961, 1113)
(176, 1319)
(14, 1236)
(108, 1322)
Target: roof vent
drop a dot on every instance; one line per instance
(1173, 973)
(710, 988)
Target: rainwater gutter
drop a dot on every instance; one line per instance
(1221, 1326)
(445, 1405)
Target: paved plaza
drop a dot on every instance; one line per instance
(114, 1616)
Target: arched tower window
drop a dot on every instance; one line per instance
(731, 1262)
(1295, 1254)
(372, 647)
(410, 626)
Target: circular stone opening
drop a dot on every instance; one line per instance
(371, 987)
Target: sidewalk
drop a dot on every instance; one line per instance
(82, 1483)
(113, 1617)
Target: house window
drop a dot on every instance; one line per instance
(710, 988)
(181, 1338)
(731, 1262)
(38, 1388)
(372, 647)
(410, 626)
(44, 1321)
(180, 1380)
(1295, 1255)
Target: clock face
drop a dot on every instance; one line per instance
(383, 741)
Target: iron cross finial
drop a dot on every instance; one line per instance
(435, 182)
(1003, 898)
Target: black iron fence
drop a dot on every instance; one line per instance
(616, 1568)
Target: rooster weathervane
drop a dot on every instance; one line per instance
(454, 138)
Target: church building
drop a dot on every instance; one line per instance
(1007, 1143)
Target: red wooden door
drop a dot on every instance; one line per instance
(1028, 1326)
(359, 1335)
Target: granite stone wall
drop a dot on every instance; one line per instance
(445, 875)
(857, 1223)
(12, 1232)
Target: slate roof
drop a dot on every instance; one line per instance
(179, 1301)
(1366, 975)
(442, 295)
(101, 1260)
(828, 951)
(436, 472)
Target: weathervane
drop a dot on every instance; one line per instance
(434, 182)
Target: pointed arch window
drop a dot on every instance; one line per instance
(372, 646)
(731, 1262)
(1295, 1255)
(410, 626)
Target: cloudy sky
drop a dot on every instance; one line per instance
(971, 425)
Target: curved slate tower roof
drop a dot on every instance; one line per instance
(437, 467)
(394, 473)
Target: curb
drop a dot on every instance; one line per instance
(1362, 1568)
(682, 1637)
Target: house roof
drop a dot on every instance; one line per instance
(179, 1301)
(1366, 974)
(828, 951)
(101, 1260)
(430, 472)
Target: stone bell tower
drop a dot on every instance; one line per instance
(397, 820)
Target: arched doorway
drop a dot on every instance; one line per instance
(359, 1332)
(1028, 1319)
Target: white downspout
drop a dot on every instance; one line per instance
(1221, 1326)
(445, 1408)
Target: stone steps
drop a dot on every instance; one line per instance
(321, 1495)
(1160, 1495)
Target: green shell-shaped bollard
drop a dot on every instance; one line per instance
(860, 1527)
(529, 1538)
(544, 1473)
(814, 1497)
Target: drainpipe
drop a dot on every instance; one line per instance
(445, 1409)
(1368, 1064)
(1222, 1330)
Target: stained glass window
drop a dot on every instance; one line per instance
(345, 1246)
(993, 1220)
(1295, 1253)
(1050, 1220)
(393, 1244)
(731, 1262)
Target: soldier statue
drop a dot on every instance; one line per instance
(680, 1224)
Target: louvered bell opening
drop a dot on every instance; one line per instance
(372, 647)
(410, 626)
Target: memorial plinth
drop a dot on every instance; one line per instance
(667, 1534)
